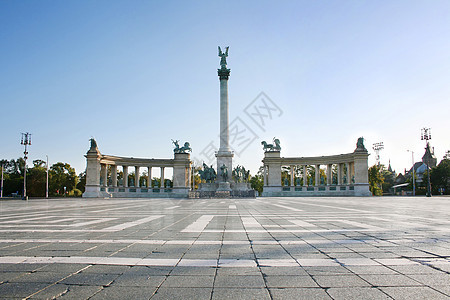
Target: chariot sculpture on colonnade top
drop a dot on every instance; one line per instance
(182, 149)
(271, 147)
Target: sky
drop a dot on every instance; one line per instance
(136, 74)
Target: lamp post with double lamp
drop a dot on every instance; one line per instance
(377, 147)
(26, 140)
(425, 136)
(413, 173)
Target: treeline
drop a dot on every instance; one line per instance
(381, 180)
(62, 178)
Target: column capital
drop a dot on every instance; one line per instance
(223, 73)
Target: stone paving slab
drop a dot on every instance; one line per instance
(265, 248)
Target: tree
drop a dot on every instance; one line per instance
(36, 179)
(375, 180)
(62, 175)
(81, 185)
(440, 177)
(388, 179)
(12, 176)
(257, 181)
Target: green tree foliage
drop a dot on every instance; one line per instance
(81, 185)
(12, 176)
(388, 179)
(62, 175)
(440, 177)
(257, 181)
(376, 180)
(36, 179)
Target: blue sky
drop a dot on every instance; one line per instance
(136, 74)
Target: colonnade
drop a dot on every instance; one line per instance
(97, 184)
(351, 174)
(137, 176)
(343, 177)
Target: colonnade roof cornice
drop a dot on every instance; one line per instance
(138, 162)
(317, 160)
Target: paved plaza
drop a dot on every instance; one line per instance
(264, 248)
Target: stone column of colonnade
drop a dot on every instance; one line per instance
(329, 174)
(292, 175)
(136, 176)
(125, 176)
(162, 177)
(305, 176)
(149, 173)
(317, 175)
(114, 175)
(104, 175)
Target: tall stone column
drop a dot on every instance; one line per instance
(347, 175)
(329, 174)
(317, 179)
(224, 155)
(136, 176)
(339, 174)
(305, 176)
(292, 175)
(114, 175)
(104, 174)
(125, 176)
(149, 173)
(162, 177)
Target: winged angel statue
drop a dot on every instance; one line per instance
(223, 57)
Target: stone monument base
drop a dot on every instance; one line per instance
(223, 190)
(224, 187)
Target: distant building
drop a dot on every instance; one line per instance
(402, 180)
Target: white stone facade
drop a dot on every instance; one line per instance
(354, 182)
(99, 184)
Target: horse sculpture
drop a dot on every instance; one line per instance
(271, 147)
(208, 173)
(179, 149)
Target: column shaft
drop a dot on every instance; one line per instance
(305, 176)
(162, 177)
(114, 175)
(149, 173)
(136, 176)
(329, 174)
(317, 175)
(292, 175)
(347, 175)
(125, 176)
(224, 131)
(339, 174)
(104, 174)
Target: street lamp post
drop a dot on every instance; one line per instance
(413, 173)
(46, 185)
(425, 136)
(377, 147)
(1, 190)
(26, 140)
